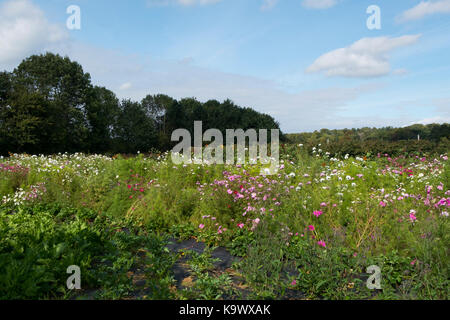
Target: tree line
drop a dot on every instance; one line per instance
(49, 105)
(415, 138)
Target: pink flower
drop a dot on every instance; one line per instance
(412, 216)
(382, 204)
(317, 213)
(294, 283)
(323, 204)
(201, 226)
(322, 243)
(311, 228)
(241, 225)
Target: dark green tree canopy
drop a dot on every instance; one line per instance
(48, 104)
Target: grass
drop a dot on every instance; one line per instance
(310, 231)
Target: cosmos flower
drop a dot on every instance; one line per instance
(412, 216)
(317, 213)
(322, 243)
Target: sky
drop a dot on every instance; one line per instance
(311, 64)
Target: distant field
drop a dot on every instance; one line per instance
(144, 228)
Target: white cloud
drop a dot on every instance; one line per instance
(158, 3)
(368, 57)
(136, 76)
(268, 4)
(319, 4)
(425, 8)
(25, 30)
(125, 86)
(432, 120)
(300, 111)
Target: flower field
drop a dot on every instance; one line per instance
(309, 232)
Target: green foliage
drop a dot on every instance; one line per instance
(39, 243)
(112, 216)
(371, 141)
(48, 105)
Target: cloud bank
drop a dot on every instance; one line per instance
(425, 9)
(25, 30)
(368, 57)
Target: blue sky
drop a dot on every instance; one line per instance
(311, 64)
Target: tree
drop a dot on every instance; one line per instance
(5, 92)
(64, 86)
(134, 131)
(48, 105)
(102, 113)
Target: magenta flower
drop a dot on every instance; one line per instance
(317, 213)
(322, 243)
(382, 204)
(311, 228)
(412, 216)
